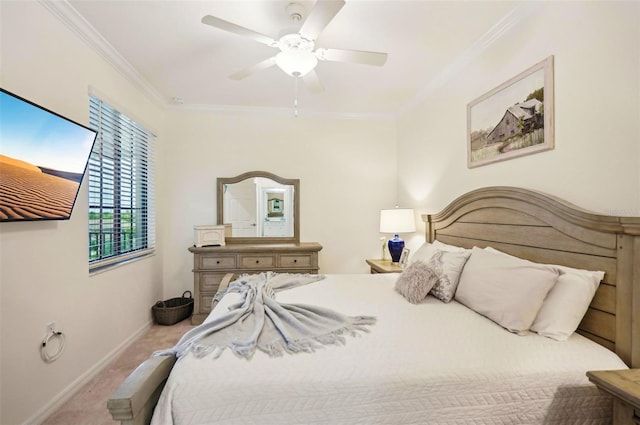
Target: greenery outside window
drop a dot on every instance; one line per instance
(121, 188)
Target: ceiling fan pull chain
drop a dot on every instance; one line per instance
(295, 101)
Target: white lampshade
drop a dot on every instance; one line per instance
(296, 63)
(397, 220)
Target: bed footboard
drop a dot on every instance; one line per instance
(134, 400)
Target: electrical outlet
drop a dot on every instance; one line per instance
(51, 327)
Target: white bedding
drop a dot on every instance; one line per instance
(431, 363)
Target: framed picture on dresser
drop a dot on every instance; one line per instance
(404, 257)
(513, 119)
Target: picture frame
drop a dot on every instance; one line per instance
(514, 119)
(404, 257)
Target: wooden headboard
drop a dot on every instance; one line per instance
(545, 229)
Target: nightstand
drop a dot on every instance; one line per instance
(624, 386)
(384, 266)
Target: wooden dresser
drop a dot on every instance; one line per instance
(212, 263)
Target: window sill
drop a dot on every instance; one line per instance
(112, 263)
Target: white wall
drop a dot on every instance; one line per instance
(347, 172)
(596, 162)
(349, 169)
(44, 273)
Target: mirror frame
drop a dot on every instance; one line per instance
(221, 181)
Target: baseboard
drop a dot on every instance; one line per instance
(50, 408)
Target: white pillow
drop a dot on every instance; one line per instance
(450, 248)
(506, 289)
(565, 306)
(424, 253)
(426, 250)
(566, 303)
(448, 267)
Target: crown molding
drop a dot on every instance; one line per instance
(281, 112)
(503, 27)
(69, 16)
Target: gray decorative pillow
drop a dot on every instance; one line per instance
(415, 282)
(448, 267)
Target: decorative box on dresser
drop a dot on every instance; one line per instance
(212, 263)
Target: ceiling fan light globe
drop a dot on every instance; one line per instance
(296, 63)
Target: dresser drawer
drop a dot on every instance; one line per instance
(293, 261)
(209, 282)
(210, 262)
(257, 261)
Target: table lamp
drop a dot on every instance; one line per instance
(397, 220)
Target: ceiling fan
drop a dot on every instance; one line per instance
(298, 54)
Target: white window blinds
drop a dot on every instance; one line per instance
(121, 188)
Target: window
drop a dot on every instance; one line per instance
(121, 188)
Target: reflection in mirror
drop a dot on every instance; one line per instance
(259, 206)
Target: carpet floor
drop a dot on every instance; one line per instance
(89, 405)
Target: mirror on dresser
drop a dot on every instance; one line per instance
(259, 207)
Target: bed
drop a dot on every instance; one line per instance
(449, 364)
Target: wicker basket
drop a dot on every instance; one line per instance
(174, 310)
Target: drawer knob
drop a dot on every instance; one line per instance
(218, 262)
(295, 260)
(257, 261)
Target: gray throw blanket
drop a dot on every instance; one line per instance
(259, 321)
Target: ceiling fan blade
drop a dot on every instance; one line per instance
(312, 82)
(319, 17)
(260, 66)
(237, 29)
(356, 56)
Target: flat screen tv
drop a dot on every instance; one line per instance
(43, 158)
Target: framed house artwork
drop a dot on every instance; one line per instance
(513, 119)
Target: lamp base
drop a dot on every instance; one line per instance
(396, 245)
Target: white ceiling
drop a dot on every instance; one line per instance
(164, 46)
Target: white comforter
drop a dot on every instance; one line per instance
(431, 363)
